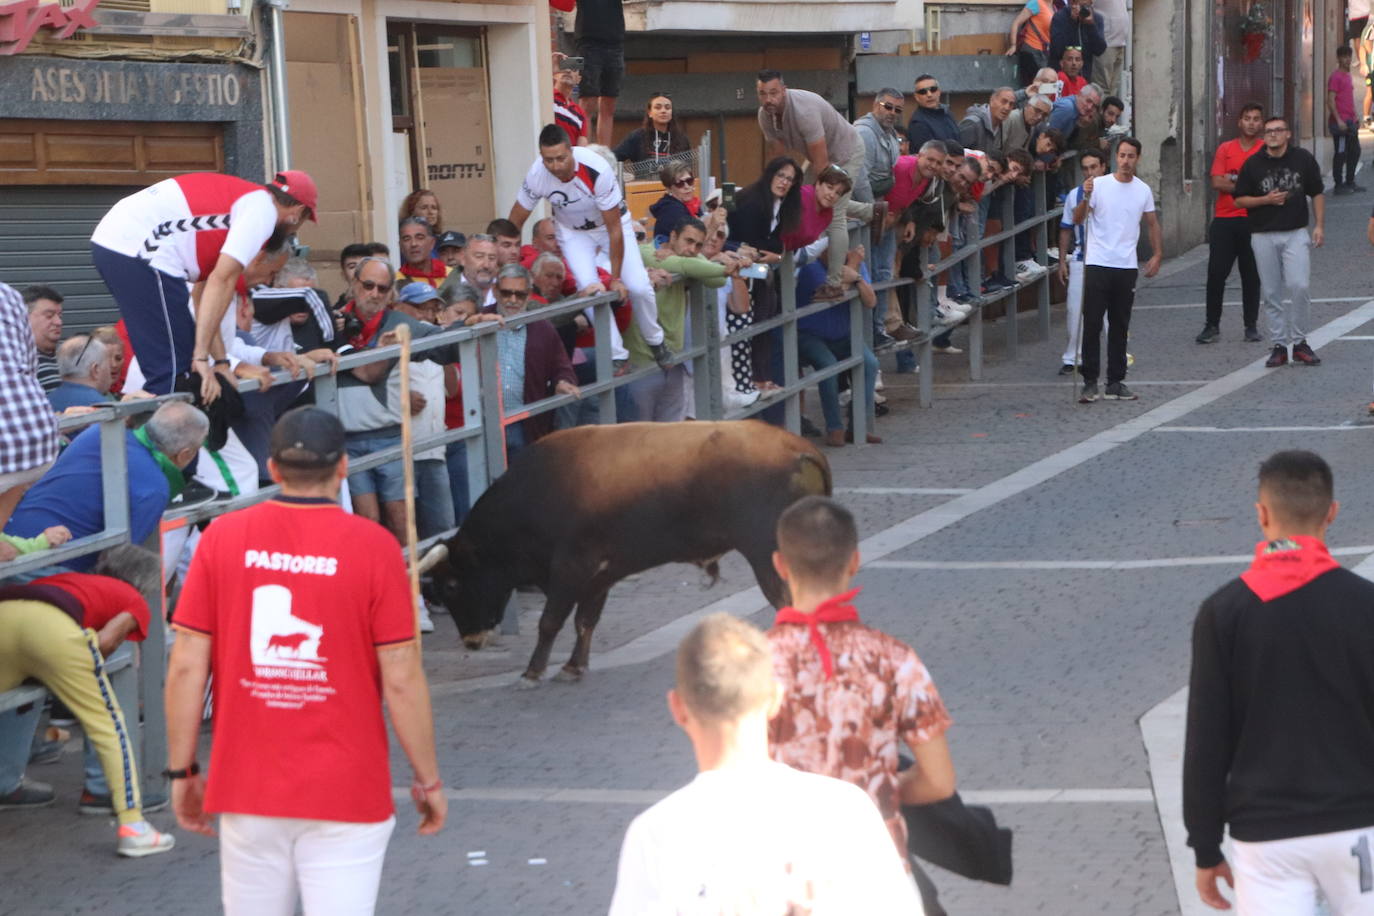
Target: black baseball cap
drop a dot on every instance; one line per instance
(307, 437)
(451, 240)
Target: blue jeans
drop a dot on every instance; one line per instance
(820, 353)
(456, 457)
(433, 504)
(387, 481)
(958, 274)
(16, 743)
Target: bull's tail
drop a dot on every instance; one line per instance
(812, 477)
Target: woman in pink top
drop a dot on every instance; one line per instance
(818, 207)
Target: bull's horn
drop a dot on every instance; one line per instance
(433, 557)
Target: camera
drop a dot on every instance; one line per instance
(1085, 12)
(352, 324)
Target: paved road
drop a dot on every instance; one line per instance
(1046, 659)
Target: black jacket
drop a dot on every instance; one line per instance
(1280, 739)
(930, 124)
(669, 213)
(1066, 32)
(749, 223)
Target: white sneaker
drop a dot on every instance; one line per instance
(962, 307)
(141, 839)
(426, 622)
(945, 315)
(1028, 269)
(735, 399)
(879, 398)
(1053, 253)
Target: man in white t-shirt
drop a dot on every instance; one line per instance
(1113, 207)
(1093, 164)
(592, 223)
(748, 835)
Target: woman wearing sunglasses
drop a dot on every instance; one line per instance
(679, 203)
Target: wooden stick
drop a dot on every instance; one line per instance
(408, 469)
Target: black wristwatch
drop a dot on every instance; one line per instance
(192, 770)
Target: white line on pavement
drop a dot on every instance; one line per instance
(665, 638)
(1357, 337)
(1343, 427)
(561, 796)
(1158, 563)
(904, 491)
(1198, 305)
(1060, 384)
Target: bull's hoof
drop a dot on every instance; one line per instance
(526, 682)
(478, 641)
(569, 675)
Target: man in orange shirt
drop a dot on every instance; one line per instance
(1228, 239)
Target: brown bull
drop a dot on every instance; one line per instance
(582, 509)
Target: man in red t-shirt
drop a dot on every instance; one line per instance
(567, 114)
(59, 630)
(304, 614)
(1228, 239)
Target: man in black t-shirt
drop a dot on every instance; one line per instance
(600, 35)
(1272, 186)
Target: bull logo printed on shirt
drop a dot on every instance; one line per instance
(279, 638)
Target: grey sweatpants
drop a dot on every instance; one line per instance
(858, 204)
(1283, 261)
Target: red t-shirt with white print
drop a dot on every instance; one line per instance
(297, 595)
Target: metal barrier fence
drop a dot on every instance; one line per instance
(139, 684)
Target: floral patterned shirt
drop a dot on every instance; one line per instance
(850, 726)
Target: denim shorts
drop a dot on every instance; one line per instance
(387, 481)
(603, 65)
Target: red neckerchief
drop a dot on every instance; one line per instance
(1286, 565)
(694, 206)
(437, 270)
(831, 610)
(370, 326)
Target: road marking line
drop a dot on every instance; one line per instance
(1198, 305)
(664, 639)
(1159, 563)
(1061, 384)
(904, 491)
(1348, 425)
(1357, 337)
(563, 796)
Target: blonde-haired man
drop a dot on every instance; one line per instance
(748, 835)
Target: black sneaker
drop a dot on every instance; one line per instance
(883, 340)
(1341, 189)
(30, 794)
(1066, 369)
(661, 354)
(1277, 357)
(1117, 391)
(1209, 334)
(1252, 334)
(1355, 188)
(1302, 353)
(810, 429)
(193, 494)
(1089, 393)
(104, 805)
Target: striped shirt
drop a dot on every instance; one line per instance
(48, 375)
(28, 430)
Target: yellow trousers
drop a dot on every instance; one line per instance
(39, 641)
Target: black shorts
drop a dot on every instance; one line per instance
(1355, 27)
(603, 65)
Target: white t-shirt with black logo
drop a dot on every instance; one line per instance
(1113, 223)
(579, 202)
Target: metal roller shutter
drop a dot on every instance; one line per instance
(45, 237)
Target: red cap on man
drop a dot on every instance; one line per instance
(300, 186)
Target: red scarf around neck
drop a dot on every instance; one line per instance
(832, 610)
(370, 326)
(1286, 565)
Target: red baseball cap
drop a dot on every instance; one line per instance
(300, 186)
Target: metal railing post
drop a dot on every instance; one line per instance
(602, 316)
(470, 371)
(790, 364)
(1042, 285)
(493, 431)
(1009, 263)
(924, 295)
(114, 476)
(326, 394)
(975, 285)
(858, 378)
(706, 374)
(152, 676)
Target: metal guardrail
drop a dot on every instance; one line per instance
(139, 685)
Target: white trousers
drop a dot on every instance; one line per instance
(337, 867)
(1074, 305)
(587, 249)
(1282, 877)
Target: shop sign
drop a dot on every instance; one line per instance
(20, 21)
(72, 85)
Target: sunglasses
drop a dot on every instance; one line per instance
(370, 286)
(888, 106)
(927, 90)
(512, 293)
(684, 182)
